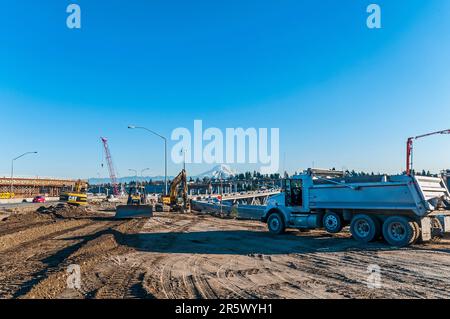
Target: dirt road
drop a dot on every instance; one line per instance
(198, 256)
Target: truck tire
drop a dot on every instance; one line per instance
(437, 230)
(332, 222)
(399, 231)
(365, 228)
(417, 233)
(275, 223)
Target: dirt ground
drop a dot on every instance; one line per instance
(199, 256)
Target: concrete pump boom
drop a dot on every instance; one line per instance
(409, 148)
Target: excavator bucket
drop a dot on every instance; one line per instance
(133, 211)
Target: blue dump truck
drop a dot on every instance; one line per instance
(401, 208)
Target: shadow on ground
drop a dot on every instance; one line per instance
(242, 242)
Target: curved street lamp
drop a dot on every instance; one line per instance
(132, 127)
(12, 168)
(143, 170)
(135, 172)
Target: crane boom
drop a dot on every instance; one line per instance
(112, 173)
(409, 148)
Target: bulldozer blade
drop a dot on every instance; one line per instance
(133, 211)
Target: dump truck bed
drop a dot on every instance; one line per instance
(418, 194)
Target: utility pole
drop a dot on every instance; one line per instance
(98, 182)
(12, 169)
(165, 152)
(409, 148)
(135, 174)
(143, 170)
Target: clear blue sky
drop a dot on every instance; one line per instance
(341, 94)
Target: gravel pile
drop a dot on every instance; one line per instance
(65, 211)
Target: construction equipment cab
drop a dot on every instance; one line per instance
(136, 204)
(174, 200)
(136, 196)
(76, 197)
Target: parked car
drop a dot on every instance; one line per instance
(39, 199)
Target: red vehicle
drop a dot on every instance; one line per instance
(39, 199)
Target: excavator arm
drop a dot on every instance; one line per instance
(172, 199)
(180, 178)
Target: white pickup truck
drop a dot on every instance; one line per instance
(401, 208)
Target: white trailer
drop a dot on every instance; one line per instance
(401, 208)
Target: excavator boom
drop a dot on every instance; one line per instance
(172, 198)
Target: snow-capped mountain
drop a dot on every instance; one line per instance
(219, 171)
(127, 179)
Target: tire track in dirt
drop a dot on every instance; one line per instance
(50, 256)
(201, 280)
(124, 281)
(31, 256)
(171, 287)
(91, 252)
(223, 275)
(29, 237)
(17, 228)
(285, 276)
(118, 261)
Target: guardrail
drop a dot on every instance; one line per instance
(247, 212)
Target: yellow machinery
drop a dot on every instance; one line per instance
(7, 195)
(136, 196)
(136, 205)
(77, 196)
(173, 200)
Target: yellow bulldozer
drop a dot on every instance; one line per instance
(76, 197)
(136, 205)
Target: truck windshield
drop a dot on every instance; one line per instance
(293, 189)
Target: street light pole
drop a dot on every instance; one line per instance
(135, 173)
(98, 183)
(12, 168)
(165, 152)
(143, 170)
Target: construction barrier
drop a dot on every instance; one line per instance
(7, 195)
(247, 212)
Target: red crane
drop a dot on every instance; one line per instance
(409, 148)
(112, 173)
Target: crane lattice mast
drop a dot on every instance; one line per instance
(112, 173)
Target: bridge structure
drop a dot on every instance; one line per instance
(30, 187)
(249, 205)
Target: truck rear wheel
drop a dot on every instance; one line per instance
(437, 229)
(275, 223)
(332, 222)
(399, 231)
(416, 236)
(365, 228)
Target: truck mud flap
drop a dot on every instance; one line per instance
(425, 225)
